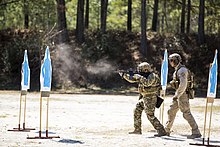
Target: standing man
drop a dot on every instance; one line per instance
(180, 99)
(148, 87)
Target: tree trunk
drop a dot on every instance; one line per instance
(164, 17)
(80, 21)
(62, 26)
(143, 28)
(188, 17)
(201, 33)
(104, 6)
(129, 21)
(26, 16)
(182, 27)
(162, 23)
(155, 16)
(87, 15)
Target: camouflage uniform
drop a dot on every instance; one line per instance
(181, 100)
(148, 87)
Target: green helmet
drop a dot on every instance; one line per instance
(144, 67)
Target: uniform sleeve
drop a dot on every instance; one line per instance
(182, 75)
(129, 79)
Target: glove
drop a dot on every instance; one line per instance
(121, 74)
(137, 76)
(174, 98)
(174, 84)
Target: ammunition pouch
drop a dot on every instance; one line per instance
(190, 92)
(159, 101)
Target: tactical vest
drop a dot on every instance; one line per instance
(150, 89)
(190, 83)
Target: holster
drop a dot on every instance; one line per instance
(190, 93)
(159, 101)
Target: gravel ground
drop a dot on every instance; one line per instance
(97, 120)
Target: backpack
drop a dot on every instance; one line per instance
(190, 91)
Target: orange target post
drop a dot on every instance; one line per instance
(47, 95)
(23, 93)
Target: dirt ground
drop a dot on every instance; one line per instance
(96, 120)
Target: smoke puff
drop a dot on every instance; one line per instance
(101, 67)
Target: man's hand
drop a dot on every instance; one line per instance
(174, 98)
(121, 74)
(137, 76)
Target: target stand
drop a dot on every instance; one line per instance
(47, 95)
(209, 100)
(161, 114)
(24, 129)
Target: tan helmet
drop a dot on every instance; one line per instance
(176, 58)
(144, 67)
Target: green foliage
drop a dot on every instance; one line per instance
(42, 15)
(13, 15)
(94, 16)
(114, 45)
(119, 48)
(100, 46)
(11, 57)
(71, 13)
(117, 16)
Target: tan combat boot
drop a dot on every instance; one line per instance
(161, 132)
(193, 136)
(168, 131)
(136, 131)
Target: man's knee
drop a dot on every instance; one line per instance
(171, 112)
(185, 110)
(140, 105)
(150, 116)
(187, 115)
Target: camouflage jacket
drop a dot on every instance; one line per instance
(146, 84)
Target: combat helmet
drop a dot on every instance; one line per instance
(176, 58)
(144, 67)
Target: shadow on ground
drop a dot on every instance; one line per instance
(70, 141)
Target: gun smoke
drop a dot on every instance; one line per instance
(67, 66)
(102, 68)
(70, 69)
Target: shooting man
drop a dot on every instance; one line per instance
(148, 87)
(180, 99)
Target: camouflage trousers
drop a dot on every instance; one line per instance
(147, 103)
(183, 104)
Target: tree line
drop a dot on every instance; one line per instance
(163, 16)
